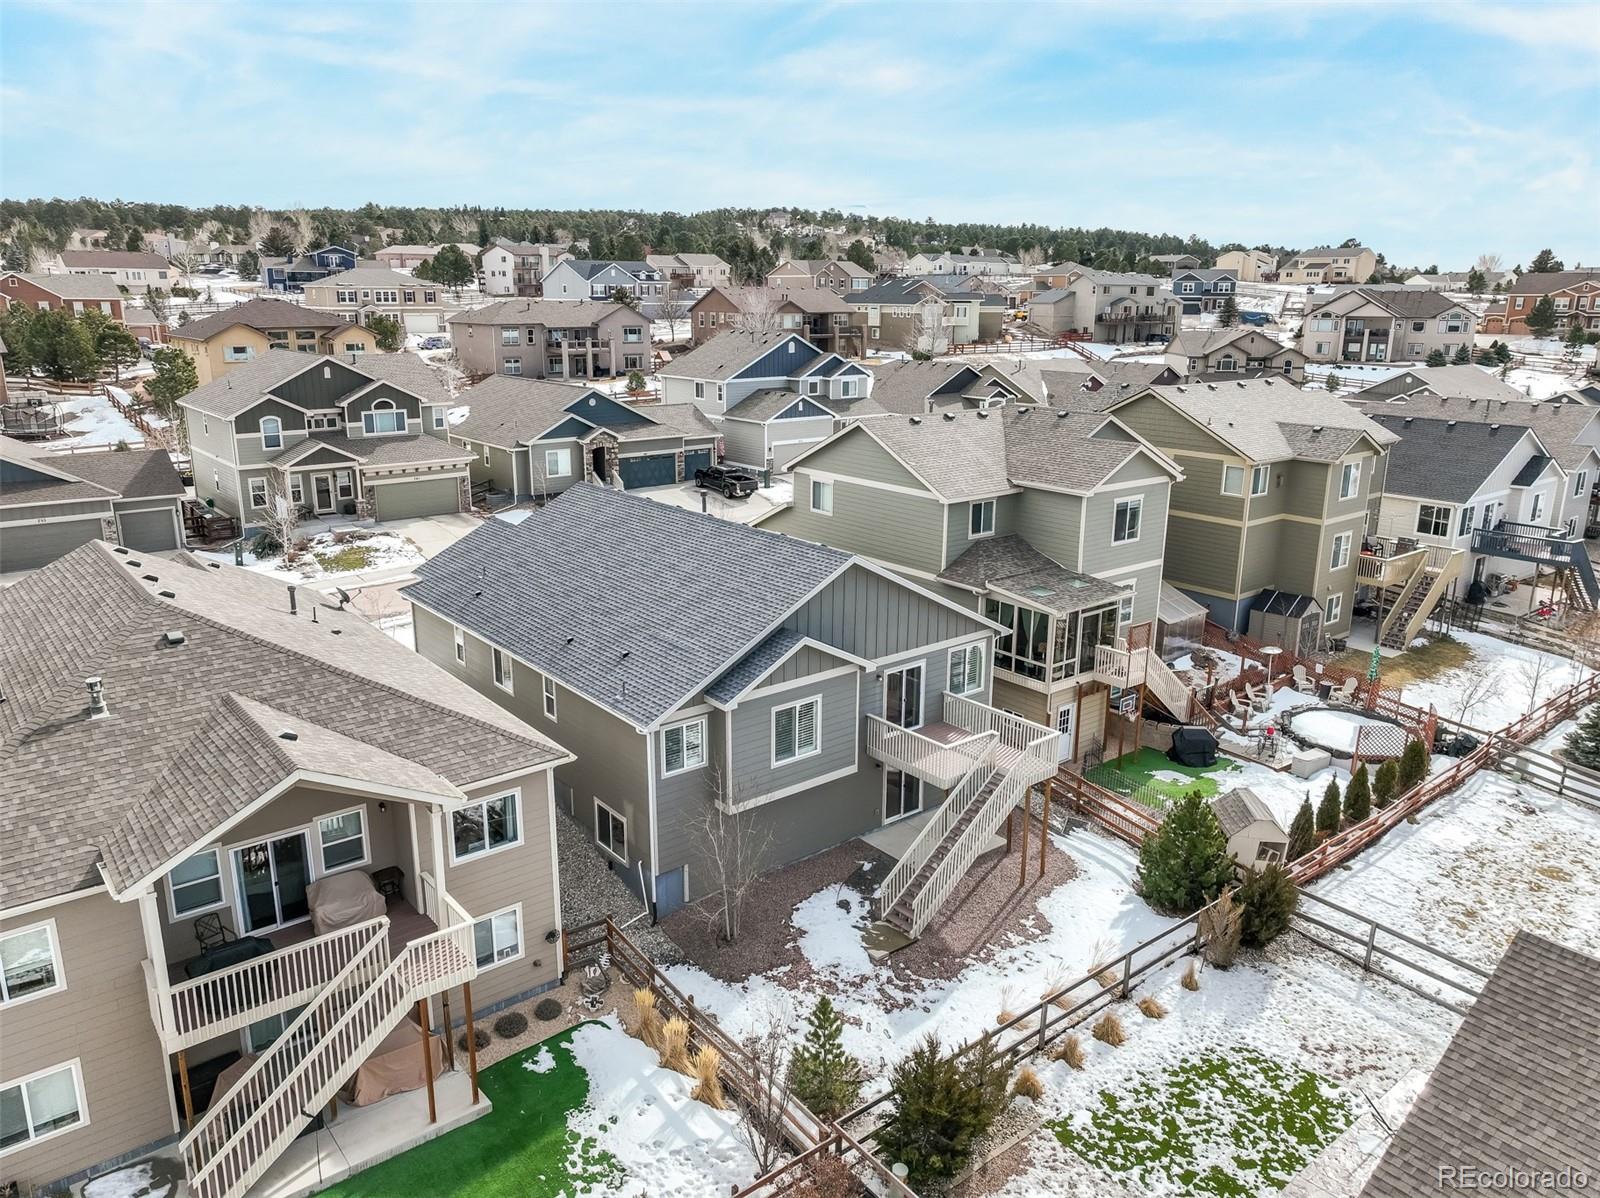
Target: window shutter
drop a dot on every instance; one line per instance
(672, 741)
(783, 743)
(693, 743)
(974, 667)
(806, 740)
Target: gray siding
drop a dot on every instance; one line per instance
(744, 443)
(874, 617)
(1050, 523)
(752, 773)
(958, 522)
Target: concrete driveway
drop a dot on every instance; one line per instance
(434, 533)
(740, 511)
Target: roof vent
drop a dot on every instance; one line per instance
(1449, 424)
(173, 636)
(950, 416)
(215, 565)
(121, 549)
(1211, 386)
(132, 565)
(1062, 414)
(167, 594)
(1494, 428)
(1240, 383)
(982, 415)
(97, 698)
(286, 734)
(1316, 428)
(916, 420)
(149, 578)
(1407, 420)
(294, 600)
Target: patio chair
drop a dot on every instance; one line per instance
(1259, 699)
(1240, 709)
(1302, 680)
(211, 932)
(1346, 692)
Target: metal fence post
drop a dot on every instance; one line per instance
(1127, 975)
(1372, 936)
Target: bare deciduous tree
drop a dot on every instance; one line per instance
(1534, 671)
(931, 329)
(282, 514)
(186, 261)
(734, 848)
(762, 1105)
(1477, 683)
(1488, 263)
(758, 309)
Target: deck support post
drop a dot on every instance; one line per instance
(444, 1026)
(1044, 824)
(1008, 834)
(472, 1040)
(183, 1081)
(1026, 819)
(427, 1059)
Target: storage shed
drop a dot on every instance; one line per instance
(1254, 836)
(1291, 621)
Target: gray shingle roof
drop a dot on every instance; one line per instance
(414, 450)
(1519, 1084)
(726, 354)
(132, 474)
(405, 370)
(904, 386)
(122, 788)
(1444, 459)
(115, 259)
(1531, 470)
(1012, 564)
(551, 313)
(753, 666)
(1462, 382)
(1198, 342)
(1554, 280)
(243, 386)
(79, 287)
(1061, 449)
(1411, 303)
(370, 274)
(508, 411)
(1240, 808)
(960, 455)
(262, 314)
(631, 603)
(1559, 425)
(1269, 420)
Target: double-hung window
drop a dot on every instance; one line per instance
(258, 492)
(344, 484)
(980, 518)
(502, 670)
(41, 1104)
(610, 831)
(683, 747)
(549, 697)
(343, 840)
(966, 669)
(1335, 610)
(461, 646)
(1125, 524)
(1349, 480)
(1260, 480)
(1465, 526)
(822, 496)
(1339, 558)
(1433, 520)
(557, 463)
(195, 884)
(632, 333)
(483, 827)
(794, 730)
(1580, 482)
(510, 336)
(1125, 607)
(1233, 480)
(271, 433)
(498, 937)
(30, 963)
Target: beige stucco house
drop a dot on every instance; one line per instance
(1251, 265)
(1385, 324)
(226, 340)
(1330, 264)
(360, 294)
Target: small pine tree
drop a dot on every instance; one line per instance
(277, 243)
(941, 1108)
(1545, 261)
(1462, 356)
(1577, 338)
(388, 331)
(1358, 796)
(1437, 358)
(1542, 320)
(1502, 353)
(825, 1077)
(1185, 864)
(1413, 765)
(1386, 784)
(1476, 282)
(1328, 809)
(635, 380)
(451, 267)
(1228, 316)
(1269, 898)
(1583, 742)
(249, 265)
(1332, 382)
(1302, 832)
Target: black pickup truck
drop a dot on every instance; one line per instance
(730, 480)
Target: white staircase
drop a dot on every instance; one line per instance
(245, 1130)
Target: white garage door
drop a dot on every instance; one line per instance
(423, 323)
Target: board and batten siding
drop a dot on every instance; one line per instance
(102, 1019)
(875, 617)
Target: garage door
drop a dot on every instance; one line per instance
(656, 470)
(695, 459)
(422, 323)
(425, 497)
(149, 531)
(782, 455)
(29, 546)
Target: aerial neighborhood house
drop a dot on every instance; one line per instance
(1107, 307)
(1460, 280)
(1176, 262)
(818, 705)
(222, 341)
(551, 339)
(228, 253)
(918, 315)
(292, 274)
(910, 388)
(532, 439)
(1273, 499)
(294, 794)
(332, 437)
(1248, 266)
(518, 267)
(1385, 324)
(144, 323)
(772, 395)
(587, 279)
(693, 270)
(839, 275)
(1203, 290)
(409, 257)
(137, 271)
(1454, 382)
(75, 293)
(818, 314)
(961, 264)
(1050, 523)
(1203, 355)
(368, 291)
(1330, 264)
(1064, 383)
(51, 503)
(1574, 295)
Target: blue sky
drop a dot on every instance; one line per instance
(1432, 131)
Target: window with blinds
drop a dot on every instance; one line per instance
(794, 730)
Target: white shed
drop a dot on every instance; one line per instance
(1254, 837)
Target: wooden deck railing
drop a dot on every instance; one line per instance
(933, 832)
(934, 761)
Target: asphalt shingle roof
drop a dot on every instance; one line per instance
(726, 354)
(114, 259)
(1445, 459)
(1012, 564)
(507, 411)
(1519, 1084)
(551, 313)
(1269, 420)
(243, 386)
(131, 473)
(1559, 425)
(1461, 382)
(753, 666)
(177, 748)
(631, 603)
(1555, 280)
(1531, 470)
(1240, 808)
(78, 287)
(262, 314)
(1410, 303)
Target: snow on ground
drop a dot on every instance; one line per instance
(92, 420)
(327, 559)
(642, 1114)
(1503, 673)
(1486, 860)
(543, 1061)
(1538, 384)
(1334, 730)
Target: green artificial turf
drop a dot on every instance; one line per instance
(1233, 1123)
(520, 1149)
(1127, 774)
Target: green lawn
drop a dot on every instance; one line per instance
(521, 1149)
(1128, 774)
(344, 559)
(1264, 1119)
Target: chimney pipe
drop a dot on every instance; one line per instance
(294, 603)
(97, 698)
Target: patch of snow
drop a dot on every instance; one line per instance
(514, 516)
(1334, 730)
(387, 551)
(543, 1062)
(136, 1181)
(1508, 690)
(830, 923)
(670, 1145)
(92, 420)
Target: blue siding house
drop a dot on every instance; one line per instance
(1203, 290)
(292, 274)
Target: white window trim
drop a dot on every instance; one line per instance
(277, 432)
(522, 938)
(258, 487)
(976, 506)
(1244, 473)
(222, 887)
(1264, 473)
(1132, 503)
(548, 687)
(323, 869)
(1340, 557)
(686, 768)
(49, 926)
(1334, 609)
(563, 466)
(489, 850)
(827, 490)
(1352, 471)
(496, 656)
(461, 646)
(816, 747)
(22, 1084)
(602, 845)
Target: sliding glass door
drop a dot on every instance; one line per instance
(272, 877)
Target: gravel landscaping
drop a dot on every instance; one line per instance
(590, 890)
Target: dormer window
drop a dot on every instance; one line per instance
(271, 433)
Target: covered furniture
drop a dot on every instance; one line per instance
(223, 955)
(395, 1066)
(1193, 746)
(343, 900)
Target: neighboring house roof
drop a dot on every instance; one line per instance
(245, 385)
(72, 287)
(1331, 251)
(761, 406)
(413, 450)
(1517, 1088)
(701, 260)
(563, 314)
(131, 473)
(1269, 419)
(910, 289)
(375, 276)
(589, 267)
(1408, 303)
(262, 314)
(1206, 274)
(814, 266)
(1012, 564)
(1197, 343)
(507, 412)
(810, 300)
(1055, 295)
(191, 738)
(114, 259)
(1558, 425)
(1466, 382)
(1555, 280)
(140, 318)
(726, 354)
(636, 605)
(905, 386)
(1532, 470)
(405, 370)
